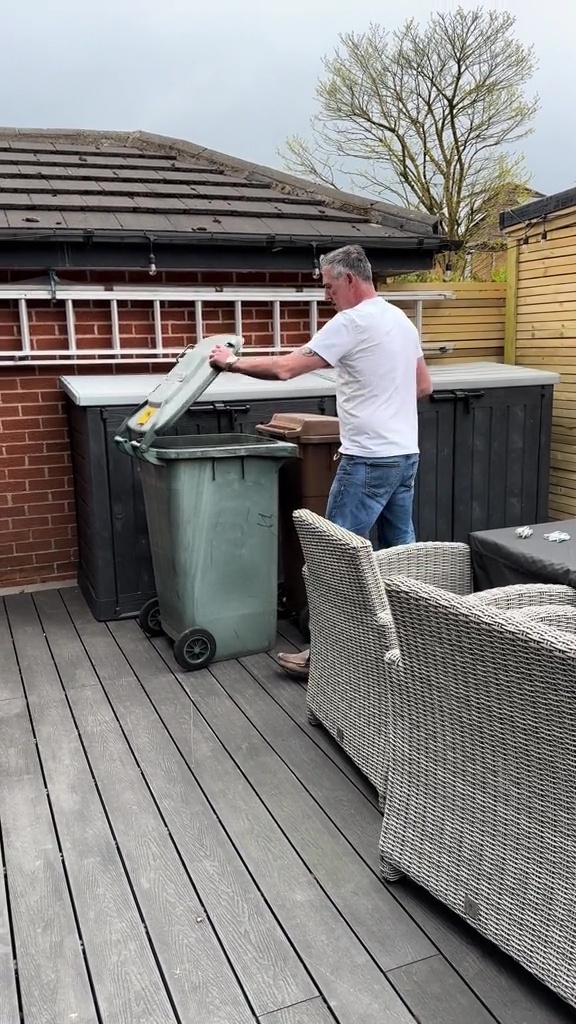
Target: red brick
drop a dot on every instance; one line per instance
(41, 564)
(85, 314)
(50, 532)
(58, 507)
(8, 383)
(39, 383)
(59, 494)
(176, 313)
(16, 487)
(56, 445)
(59, 476)
(48, 484)
(15, 561)
(14, 398)
(16, 461)
(7, 315)
(42, 408)
(6, 550)
(294, 313)
(30, 522)
(212, 314)
(18, 535)
(47, 316)
(179, 331)
(13, 424)
(28, 472)
(44, 330)
(67, 570)
(64, 544)
(296, 337)
(32, 546)
(40, 435)
(22, 501)
(68, 519)
(49, 422)
(142, 330)
(135, 312)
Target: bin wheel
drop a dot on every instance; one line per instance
(282, 602)
(304, 623)
(194, 649)
(149, 618)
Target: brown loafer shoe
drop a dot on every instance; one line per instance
(295, 665)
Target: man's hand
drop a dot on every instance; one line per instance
(282, 366)
(219, 355)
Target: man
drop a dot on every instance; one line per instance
(381, 373)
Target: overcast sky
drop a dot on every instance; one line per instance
(238, 75)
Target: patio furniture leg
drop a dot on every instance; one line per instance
(388, 871)
(312, 718)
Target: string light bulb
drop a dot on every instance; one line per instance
(152, 269)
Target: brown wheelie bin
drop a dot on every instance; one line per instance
(304, 482)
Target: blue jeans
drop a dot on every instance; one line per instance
(368, 493)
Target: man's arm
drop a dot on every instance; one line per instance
(281, 367)
(423, 378)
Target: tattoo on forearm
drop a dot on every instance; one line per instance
(307, 351)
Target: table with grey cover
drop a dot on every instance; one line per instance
(500, 558)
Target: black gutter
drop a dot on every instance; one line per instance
(538, 209)
(198, 237)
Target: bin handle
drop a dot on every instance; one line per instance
(264, 428)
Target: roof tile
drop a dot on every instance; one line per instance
(140, 183)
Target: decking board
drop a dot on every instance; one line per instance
(186, 846)
(268, 968)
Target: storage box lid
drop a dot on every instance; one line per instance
(187, 380)
(488, 375)
(97, 390)
(307, 428)
(132, 388)
(448, 376)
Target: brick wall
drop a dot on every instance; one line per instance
(37, 509)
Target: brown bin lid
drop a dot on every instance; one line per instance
(307, 427)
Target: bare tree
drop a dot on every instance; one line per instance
(425, 115)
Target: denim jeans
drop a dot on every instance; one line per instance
(375, 493)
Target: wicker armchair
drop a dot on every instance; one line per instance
(480, 804)
(352, 628)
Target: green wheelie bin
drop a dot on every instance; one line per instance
(212, 510)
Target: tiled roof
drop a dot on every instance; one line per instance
(69, 183)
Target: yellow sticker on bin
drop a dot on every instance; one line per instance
(145, 416)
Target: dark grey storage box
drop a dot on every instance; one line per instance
(485, 450)
(484, 440)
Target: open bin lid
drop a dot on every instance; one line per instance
(186, 381)
(304, 427)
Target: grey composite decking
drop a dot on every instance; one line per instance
(187, 848)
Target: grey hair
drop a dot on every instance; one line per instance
(350, 259)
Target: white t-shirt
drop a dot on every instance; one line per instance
(374, 348)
